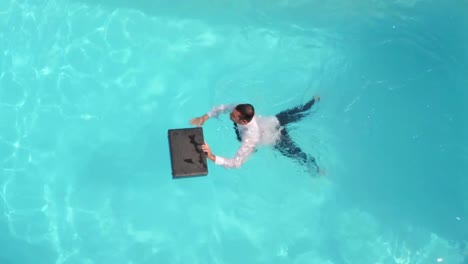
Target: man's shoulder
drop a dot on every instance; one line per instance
(253, 129)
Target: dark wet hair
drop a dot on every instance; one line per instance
(247, 111)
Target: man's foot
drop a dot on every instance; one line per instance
(309, 104)
(321, 172)
(313, 168)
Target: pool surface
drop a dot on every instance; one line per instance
(88, 90)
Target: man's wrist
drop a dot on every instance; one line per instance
(211, 157)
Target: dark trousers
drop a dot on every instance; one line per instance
(286, 145)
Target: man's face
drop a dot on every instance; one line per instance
(236, 117)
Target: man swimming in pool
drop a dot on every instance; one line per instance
(252, 130)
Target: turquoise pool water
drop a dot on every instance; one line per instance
(88, 90)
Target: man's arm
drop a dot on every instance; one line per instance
(244, 151)
(215, 112)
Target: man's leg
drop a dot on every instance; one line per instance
(297, 113)
(288, 148)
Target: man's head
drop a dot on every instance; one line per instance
(242, 114)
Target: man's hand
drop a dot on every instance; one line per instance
(199, 121)
(208, 152)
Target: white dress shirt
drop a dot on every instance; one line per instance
(259, 131)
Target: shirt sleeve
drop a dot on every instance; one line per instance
(244, 151)
(221, 109)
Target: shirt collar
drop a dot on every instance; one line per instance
(252, 123)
